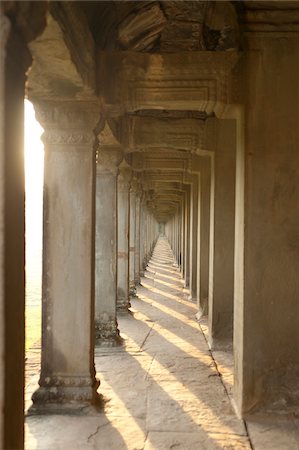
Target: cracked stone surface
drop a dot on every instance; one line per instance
(162, 388)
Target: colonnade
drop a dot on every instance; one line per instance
(210, 137)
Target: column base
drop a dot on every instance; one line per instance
(107, 334)
(218, 344)
(133, 290)
(66, 395)
(123, 306)
(137, 280)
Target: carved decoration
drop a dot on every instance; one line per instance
(106, 331)
(68, 138)
(68, 126)
(182, 81)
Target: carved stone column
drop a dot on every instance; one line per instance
(124, 178)
(133, 195)
(137, 235)
(106, 245)
(67, 380)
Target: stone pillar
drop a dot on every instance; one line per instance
(132, 236)
(183, 234)
(106, 329)
(67, 381)
(195, 232)
(14, 62)
(266, 332)
(137, 236)
(180, 235)
(205, 186)
(142, 235)
(222, 223)
(123, 207)
(176, 237)
(187, 237)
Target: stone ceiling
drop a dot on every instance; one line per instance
(159, 141)
(165, 26)
(159, 70)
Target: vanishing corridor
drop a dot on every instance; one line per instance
(161, 389)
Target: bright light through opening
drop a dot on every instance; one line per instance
(34, 170)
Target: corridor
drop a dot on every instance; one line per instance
(161, 389)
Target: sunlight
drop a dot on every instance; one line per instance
(131, 423)
(201, 413)
(180, 280)
(180, 343)
(34, 164)
(173, 297)
(170, 285)
(161, 267)
(169, 311)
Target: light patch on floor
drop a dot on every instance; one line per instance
(162, 389)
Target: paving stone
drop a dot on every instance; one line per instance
(162, 388)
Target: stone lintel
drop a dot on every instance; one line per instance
(132, 81)
(272, 22)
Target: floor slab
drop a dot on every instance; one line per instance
(163, 388)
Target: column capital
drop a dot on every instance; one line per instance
(68, 125)
(108, 159)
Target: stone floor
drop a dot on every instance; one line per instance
(163, 389)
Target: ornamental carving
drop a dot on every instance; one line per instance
(106, 331)
(66, 381)
(173, 81)
(65, 116)
(68, 138)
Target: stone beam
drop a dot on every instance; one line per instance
(67, 49)
(131, 81)
(140, 133)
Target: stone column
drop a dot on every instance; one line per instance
(195, 237)
(187, 237)
(132, 236)
(67, 381)
(266, 332)
(142, 234)
(14, 62)
(123, 208)
(183, 234)
(205, 186)
(222, 223)
(137, 236)
(106, 329)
